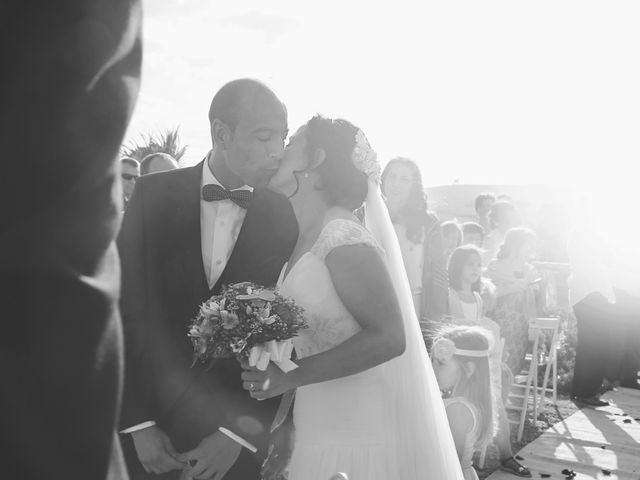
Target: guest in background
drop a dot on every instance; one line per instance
(472, 234)
(483, 204)
(130, 172)
(451, 237)
(157, 162)
(466, 307)
(515, 280)
(419, 235)
(628, 311)
(503, 217)
(504, 197)
(460, 357)
(592, 296)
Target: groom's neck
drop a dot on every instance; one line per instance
(221, 171)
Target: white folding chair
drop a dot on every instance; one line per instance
(538, 328)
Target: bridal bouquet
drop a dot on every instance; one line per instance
(247, 321)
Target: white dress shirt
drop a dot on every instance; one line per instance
(220, 224)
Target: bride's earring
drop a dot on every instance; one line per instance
(306, 174)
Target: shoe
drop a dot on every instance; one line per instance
(511, 465)
(591, 401)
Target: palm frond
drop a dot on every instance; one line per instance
(167, 141)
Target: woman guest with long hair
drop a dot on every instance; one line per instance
(419, 235)
(515, 279)
(502, 217)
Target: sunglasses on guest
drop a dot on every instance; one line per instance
(129, 176)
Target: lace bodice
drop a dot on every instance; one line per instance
(341, 232)
(309, 284)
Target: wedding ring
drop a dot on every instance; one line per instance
(251, 387)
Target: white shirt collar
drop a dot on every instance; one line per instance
(209, 178)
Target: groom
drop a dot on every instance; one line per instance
(187, 233)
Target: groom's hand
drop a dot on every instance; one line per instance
(213, 458)
(155, 450)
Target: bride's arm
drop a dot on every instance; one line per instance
(363, 284)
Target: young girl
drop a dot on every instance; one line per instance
(466, 306)
(460, 356)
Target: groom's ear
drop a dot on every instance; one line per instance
(220, 133)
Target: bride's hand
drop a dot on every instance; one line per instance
(264, 384)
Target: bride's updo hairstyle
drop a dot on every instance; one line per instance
(341, 182)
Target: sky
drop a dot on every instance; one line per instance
(497, 92)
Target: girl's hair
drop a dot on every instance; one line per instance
(500, 211)
(514, 240)
(472, 228)
(452, 226)
(477, 388)
(414, 213)
(340, 181)
(457, 262)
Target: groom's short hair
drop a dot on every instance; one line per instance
(235, 97)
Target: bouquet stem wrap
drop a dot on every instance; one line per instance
(278, 352)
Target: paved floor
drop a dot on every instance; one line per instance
(602, 443)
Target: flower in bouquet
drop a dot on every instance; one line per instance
(246, 321)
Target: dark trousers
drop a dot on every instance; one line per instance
(628, 308)
(595, 352)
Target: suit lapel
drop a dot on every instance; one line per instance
(189, 201)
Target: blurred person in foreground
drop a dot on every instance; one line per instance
(71, 78)
(419, 235)
(157, 162)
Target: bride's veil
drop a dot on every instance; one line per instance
(425, 448)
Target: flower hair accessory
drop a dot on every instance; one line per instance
(444, 349)
(365, 158)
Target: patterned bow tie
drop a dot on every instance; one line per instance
(213, 193)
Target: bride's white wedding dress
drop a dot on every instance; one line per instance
(364, 425)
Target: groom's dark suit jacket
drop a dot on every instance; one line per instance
(163, 284)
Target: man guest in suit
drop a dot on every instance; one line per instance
(185, 234)
(70, 79)
(130, 173)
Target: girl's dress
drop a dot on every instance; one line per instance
(466, 458)
(472, 314)
(513, 313)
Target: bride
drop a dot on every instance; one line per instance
(367, 403)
